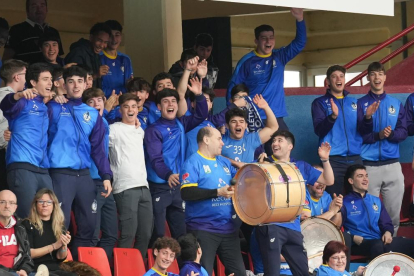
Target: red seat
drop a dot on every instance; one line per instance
(167, 230)
(221, 271)
(173, 267)
(128, 261)
(96, 258)
(69, 256)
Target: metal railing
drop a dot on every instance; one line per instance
(378, 48)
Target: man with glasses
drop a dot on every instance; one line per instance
(13, 74)
(364, 216)
(14, 246)
(26, 156)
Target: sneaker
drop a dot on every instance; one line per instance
(42, 270)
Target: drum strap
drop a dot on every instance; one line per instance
(285, 179)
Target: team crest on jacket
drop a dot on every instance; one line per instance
(86, 117)
(375, 206)
(391, 109)
(207, 169)
(354, 106)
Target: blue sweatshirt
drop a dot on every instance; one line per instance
(390, 113)
(365, 216)
(265, 74)
(28, 121)
(165, 143)
(77, 133)
(341, 133)
(409, 110)
(325, 270)
(120, 72)
(189, 267)
(94, 170)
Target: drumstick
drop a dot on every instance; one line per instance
(315, 255)
(396, 270)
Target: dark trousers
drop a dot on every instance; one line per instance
(3, 171)
(348, 243)
(374, 248)
(24, 184)
(167, 205)
(268, 144)
(275, 240)
(339, 165)
(135, 218)
(226, 246)
(106, 221)
(76, 188)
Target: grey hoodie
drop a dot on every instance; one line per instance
(3, 122)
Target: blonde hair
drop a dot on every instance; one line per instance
(57, 216)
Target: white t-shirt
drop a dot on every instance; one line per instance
(126, 153)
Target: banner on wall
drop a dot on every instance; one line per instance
(376, 7)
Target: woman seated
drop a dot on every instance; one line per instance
(334, 261)
(47, 235)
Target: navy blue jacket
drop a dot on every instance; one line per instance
(341, 133)
(390, 113)
(77, 133)
(165, 142)
(28, 122)
(365, 216)
(409, 111)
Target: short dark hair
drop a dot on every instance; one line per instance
(262, 28)
(47, 36)
(334, 68)
(235, 112)
(206, 90)
(332, 248)
(350, 172)
(100, 27)
(74, 71)
(34, 71)
(28, 4)
(138, 84)
(167, 242)
(114, 25)
(87, 69)
(160, 76)
(284, 133)
(187, 54)
(189, 246)
(57, 72)
(11, 67)
(92, 92)
(238, 88)
(203, 39)
(127, 97)
(376, 67)
(203, 132)
(4, 24)
(166, 92)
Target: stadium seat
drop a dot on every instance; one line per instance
(69, 256)
(173, 267)
(96, 258)
(128, 261)
(221, 271)
(167, 230)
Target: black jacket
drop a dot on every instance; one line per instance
(25, 261)
(81, 52)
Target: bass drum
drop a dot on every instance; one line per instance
(388, 263)
(262, 196)
(317, 232)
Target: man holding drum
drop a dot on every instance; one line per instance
(205, 179)
(285, 238)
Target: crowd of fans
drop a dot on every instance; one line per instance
(83, 135)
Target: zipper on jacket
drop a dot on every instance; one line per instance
(369, 218)
(343, 116)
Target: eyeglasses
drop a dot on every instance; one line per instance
(42, 202)
(342, 258)
(4, 202)
(237, 97)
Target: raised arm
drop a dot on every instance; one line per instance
(182, 85)
(271, 122)
(327, 176)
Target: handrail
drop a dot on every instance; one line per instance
(378, 48)
(382, 61)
